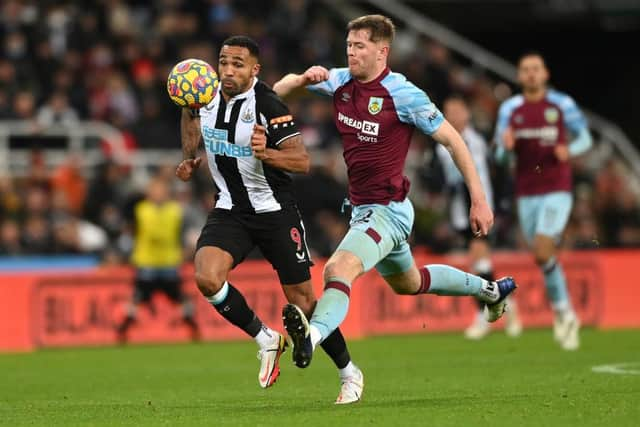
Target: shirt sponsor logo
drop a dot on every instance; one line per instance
(548, 135)
(367, 127)
(375, 105)
(215, 141)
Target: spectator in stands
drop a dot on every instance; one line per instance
(57, 111)
(68, 179)
(110, 60)
(10, 238)
(36, 236)
(10, 201)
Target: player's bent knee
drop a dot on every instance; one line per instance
(542, 254)
(343, 264)
(406, 283)
(209, 284)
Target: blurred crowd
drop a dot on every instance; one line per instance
(64, 61)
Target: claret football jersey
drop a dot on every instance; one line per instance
(376, 120)
(538, 127)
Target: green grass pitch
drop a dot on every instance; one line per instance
(421, 380)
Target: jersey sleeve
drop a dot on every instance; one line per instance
(337, 77)
(277, 118)
(574, 120)
(502, 122)
(412, 104)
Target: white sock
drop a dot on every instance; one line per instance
(561, 308)
(219, 296)
(348, 371)
(316, 336)
(266, 337)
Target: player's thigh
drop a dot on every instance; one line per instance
(281, 238)
(302, 295)
(375, 230)
(553, 215)
(223, 243)
(528, 208)
(544, 248)
(212, 266)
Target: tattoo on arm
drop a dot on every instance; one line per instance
(190, 134)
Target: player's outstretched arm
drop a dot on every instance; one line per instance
(190, 137)
(290, 82)
(290, 156)
(480, 215)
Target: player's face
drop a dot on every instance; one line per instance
(237, 68)
(364, 54)
(532, 73)
(457, 113)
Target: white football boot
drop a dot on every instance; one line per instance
(351, 388)
(269, 361)
(513, 325)
(495, 310)
(478, 329)
(566, 328)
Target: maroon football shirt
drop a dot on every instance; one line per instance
(376, 120)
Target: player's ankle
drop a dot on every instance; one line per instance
(266, 337)
(315, 335)
(489, 292)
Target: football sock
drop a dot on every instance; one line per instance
(445, 280)
(348, 371)
(230, 303)
(265, 337)
(187, 309)
(332, 307)
(489, 277)
(315, 336)
(336, 348)
(556, 285)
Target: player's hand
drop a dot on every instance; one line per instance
(562, 152)
(508, 139)
(316, 74)
(186, 168)
(480, 218)
(259, 142)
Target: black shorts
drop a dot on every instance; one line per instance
(151, 280)
(280, 236)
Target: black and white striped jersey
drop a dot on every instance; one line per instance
(244, 183)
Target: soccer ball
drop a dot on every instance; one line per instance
(192, 83)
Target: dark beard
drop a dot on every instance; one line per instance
(231, 92)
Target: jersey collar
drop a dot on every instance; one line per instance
(375, 81)
(245, 93)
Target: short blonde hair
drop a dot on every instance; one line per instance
(380, 27)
